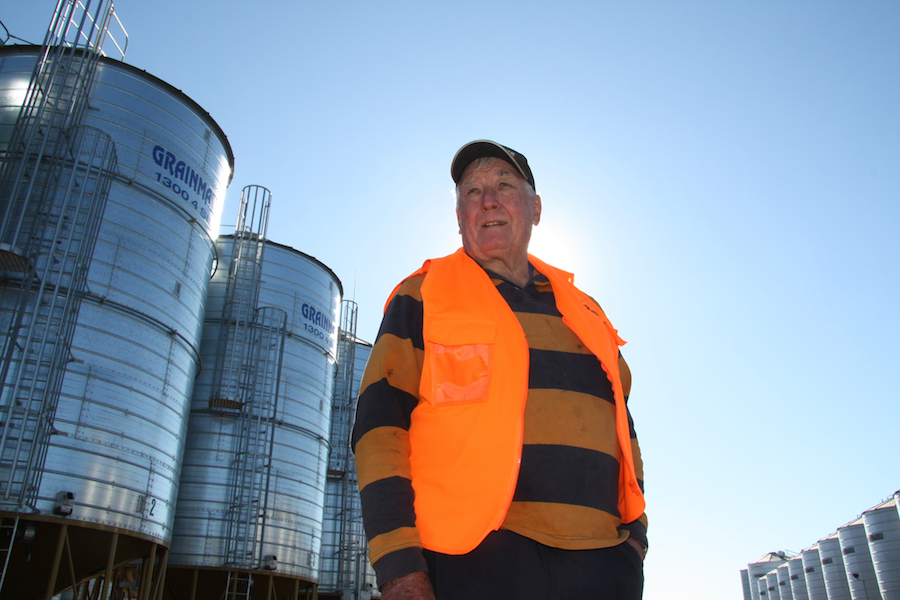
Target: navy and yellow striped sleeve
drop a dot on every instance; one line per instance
(380, 441)
(636, 529)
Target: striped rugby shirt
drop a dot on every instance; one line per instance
(567, 492)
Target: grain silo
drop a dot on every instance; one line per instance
(858, 560)
(833, 568)
(784, 583)
(111, 186)
(812, 568)
(772, 588)
(759, 568)
(883, 530)
(250, 508)
(745, 584)
(798, 578)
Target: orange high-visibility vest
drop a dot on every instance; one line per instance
(466, 432)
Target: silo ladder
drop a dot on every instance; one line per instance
(7, 538)
(240, 585)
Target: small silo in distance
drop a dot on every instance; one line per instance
(812, 567)
(784, 583)
(833, 569)
(102, 482)
(250, 507)
(798, 578)
(858, 560)
(882, 524)
(773, 592)
(745, 584)
(345, 569)
(759, 568)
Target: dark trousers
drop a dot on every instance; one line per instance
(507, 566)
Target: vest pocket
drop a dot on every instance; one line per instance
(460, 357)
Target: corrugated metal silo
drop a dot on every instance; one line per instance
(784, 583)
(282, 521)
(772, 588)
(745, 584)
(858, 560)
(758, 569)
(882, 525)
(798, 578)
(105, 478)
(833, 568)
(812, 568)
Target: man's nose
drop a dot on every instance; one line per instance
(488, 199)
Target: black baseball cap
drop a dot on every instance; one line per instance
(482, 148)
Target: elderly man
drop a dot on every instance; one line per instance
(495, 453)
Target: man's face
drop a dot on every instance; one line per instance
(496, 210)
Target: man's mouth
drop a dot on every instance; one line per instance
(494, 223)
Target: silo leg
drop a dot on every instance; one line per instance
(161, 579)
(194, 586)
(54, 570)
(110, 562)
(147, 574)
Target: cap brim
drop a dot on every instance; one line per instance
(481, 149)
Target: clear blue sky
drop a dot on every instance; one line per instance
(724, 177)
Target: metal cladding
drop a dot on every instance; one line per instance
(773, 592)
(812, 566)
(858, 560)
(784, 583)
(745, 584)
(833, 568)
(762, 587)
(758, 571)
(798, 578)
(861, 560)
(882, 525)
(288, 532)
(114, 457)
(344, 545)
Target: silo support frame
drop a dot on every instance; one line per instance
(110, 566)
(57, 557)
(51, 555)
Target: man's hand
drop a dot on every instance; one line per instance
(415, 586)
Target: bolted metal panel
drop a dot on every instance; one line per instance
(309, 294)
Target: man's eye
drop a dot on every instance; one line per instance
(473, 191)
